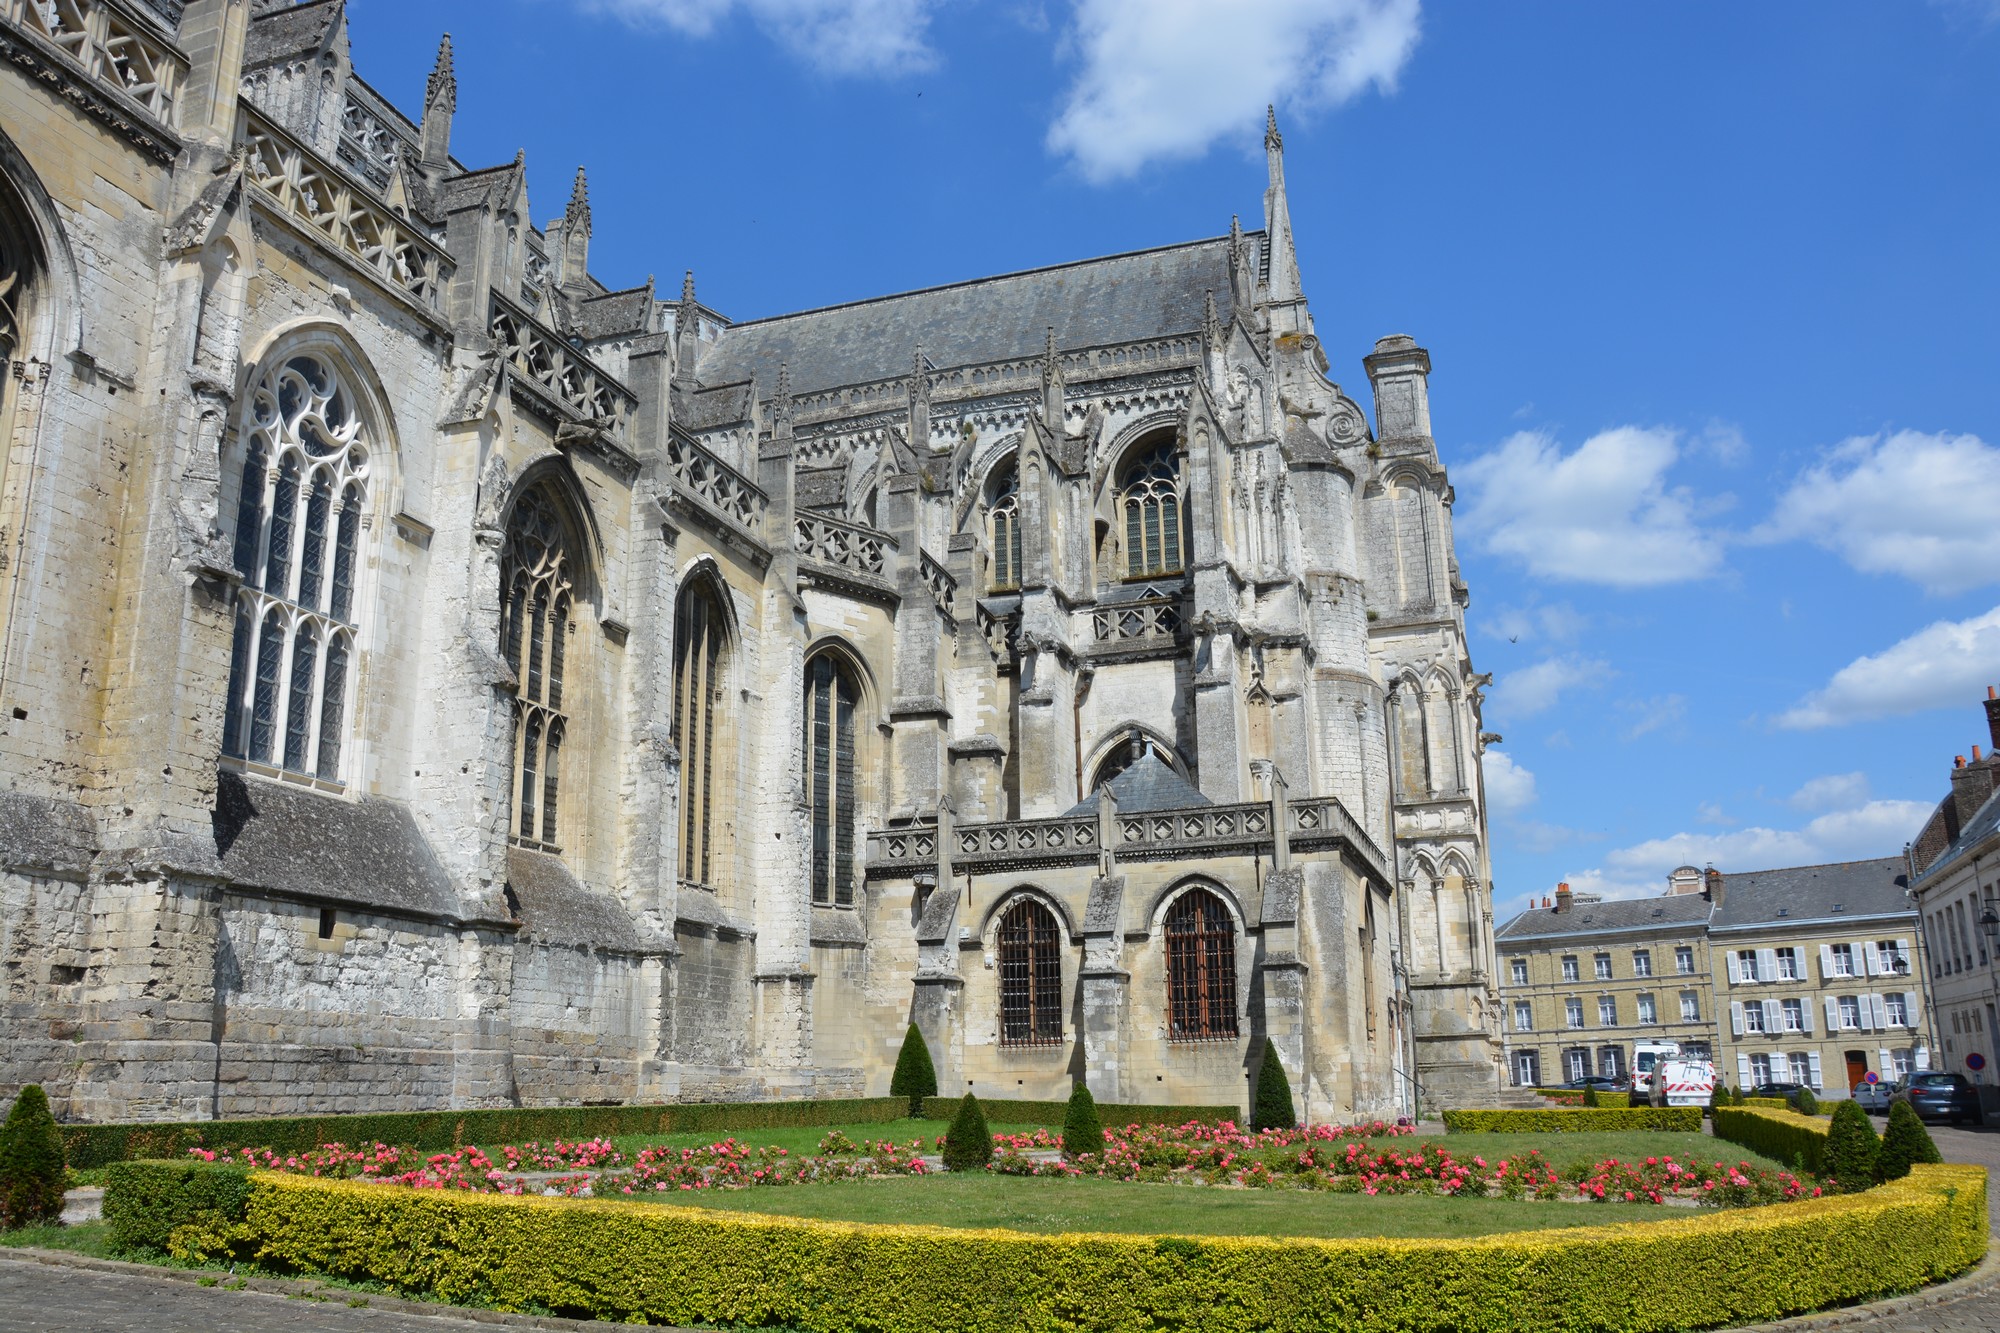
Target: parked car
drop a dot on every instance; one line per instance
(1941, 1097)
(1598, 1081)
(1874, 1097)
(1784, 1090)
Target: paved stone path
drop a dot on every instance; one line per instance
(81, 1296)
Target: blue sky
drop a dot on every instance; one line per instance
(1712, 295)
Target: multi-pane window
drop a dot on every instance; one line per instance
(1569, 969)
(1899, 1060)
(698, 661)
(301, 501)
(1843, 960)
(1898, 1008)
(1746, 964)
(1788, 964)
(1795, 1016)
(1850, 1011)
(1642, 962)
(1607, 1011)
(1603, 963)
(1201, 968)
(1577, 1061)
(1573, 1011)
(1524, 1016)
(1648, 1011)
(1684, 959)
(1149, 493)
(1760, 1069)
(1753, 1016)
(1801, 1067)
(831, 699)
(1891, 954)
(1611, 1061)
(536, 590)
(1030, 976)
(1003, 524)
(1519, 968)
(1690, 1007)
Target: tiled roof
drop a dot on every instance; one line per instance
(1093, 302)
(1812, 893)
(1684, 909)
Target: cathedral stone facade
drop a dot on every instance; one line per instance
(432, 677)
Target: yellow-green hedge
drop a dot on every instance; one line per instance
(1768, 1103)
(1575, 1119)
(1574, 1097)
(1783, 1136)
(620, 1260)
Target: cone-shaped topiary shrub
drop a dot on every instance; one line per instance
(1904, 1143)
(1590, 1097)
(1804, 1102)
(1082, 1132)
(915, 1077)
(1273, 1109)
(968, 1144)
(1736, 1097)
(32, 1180)
(1851, 1148)
(1718, 1095)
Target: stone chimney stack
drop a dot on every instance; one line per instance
(1563, 897)
(1713, 878)
(1400, 371)
(1971, 785)
(440, 101)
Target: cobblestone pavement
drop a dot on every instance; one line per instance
(68, 1297)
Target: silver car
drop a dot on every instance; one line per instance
(1874, 1097)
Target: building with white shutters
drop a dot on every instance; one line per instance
(1817, 978)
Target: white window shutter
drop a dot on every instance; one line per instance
(1859, 950)
(1903, 952)
(1825, 961)
(1812, 1064)
(1805, 1016)
(1774, 1016)
(1733, 978)
(1832, 1014)
(1736, 1018)
(1884, 1065)
(1742, 1069)
(1767, 964)
(1873, 959)
(1879, 1010)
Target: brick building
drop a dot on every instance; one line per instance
(432, 675)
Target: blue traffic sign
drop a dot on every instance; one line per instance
(1975, 1061)
(1871, 1077)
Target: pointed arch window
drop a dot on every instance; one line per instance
(302, 494)
(1149, 498)
(1030, 976)
(536, 598)
(1003, 530)
(699, 659)
(1201, 968)
(832, 697)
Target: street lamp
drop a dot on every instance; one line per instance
(1990, 923)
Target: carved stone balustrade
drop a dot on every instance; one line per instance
(843, 545)
(116, 45)
(319, 198)
(942, 585)
(567, 377)
(367, 145)
(1157, 619)
(719, 488)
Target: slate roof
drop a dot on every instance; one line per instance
(1813, 893)
(278, 33)
(1092, 302)
(1683, 909)
(1149, 784)
(1984, 823)
(629, 311)
(556, 908)
(289, 840)
(42, 833)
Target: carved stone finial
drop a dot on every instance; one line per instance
(576, 218)
(1272, 139)
(687, 288)
(443, 83)
(1211, 321)
(920, 380)
(781, 399)
(1235, 240)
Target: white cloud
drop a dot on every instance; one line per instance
(1537, 689)
(1835, 791)
(1510, 788)
(1165, 79)
(1877, 828)
(838, 36)
(1603, 514)
(1941, 665)
(1662, 712)
(1711, 812)
(1912, 504)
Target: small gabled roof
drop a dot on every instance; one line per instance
(1149, 784)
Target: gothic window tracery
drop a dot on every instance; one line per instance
(12, 282)
(699, 658)
(1201, 968)
(832, 697)
(1149, 499)
(1030, 976)
(300, 504)
(537, 591)
(1003, 524)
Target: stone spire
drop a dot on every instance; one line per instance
(440, 100)
(687, 332)
(781, 404)
(574, 278)
(576, 218)
(920, 406)
(1284, 284)
(1052, 384)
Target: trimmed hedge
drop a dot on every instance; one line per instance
(1782, 1135)
(1766, 1103)
(1574, 1097)
(145, 1201)
(636, 1262)
(1575, 1120)
(436, 1131)
(1111, 1113)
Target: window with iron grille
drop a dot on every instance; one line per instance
(1030, 976)
(831, 698)
(535, 584)
(1201, 968)
(698, 662)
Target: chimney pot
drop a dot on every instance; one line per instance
(1958, 761)
(1975, 754)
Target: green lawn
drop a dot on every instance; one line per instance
(1627, 1145)
(1056, 1205)
(91, 1238)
